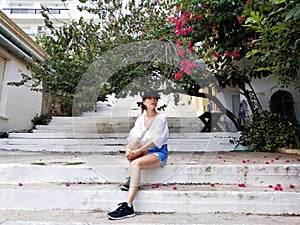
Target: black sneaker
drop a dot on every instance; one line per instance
(125, 187)
(122, 212)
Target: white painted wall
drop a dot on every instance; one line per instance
(266, 88)
(18, 105)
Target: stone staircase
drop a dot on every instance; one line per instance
(108, 134)
(76, 165)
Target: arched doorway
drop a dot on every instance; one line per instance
(282, 102)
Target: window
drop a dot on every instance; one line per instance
(282, 102)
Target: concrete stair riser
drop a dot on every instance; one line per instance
(254, 175)
(184, 201)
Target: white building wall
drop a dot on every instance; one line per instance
(18, 105)
(265, 88)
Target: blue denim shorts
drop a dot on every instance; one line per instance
(162, 153)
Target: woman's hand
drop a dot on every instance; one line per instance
(128, 154)
(135, 152)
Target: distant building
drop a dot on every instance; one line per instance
(26, 13)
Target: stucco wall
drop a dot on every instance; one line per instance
(266, 88)
(18, 105)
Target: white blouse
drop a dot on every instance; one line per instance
(158, 132)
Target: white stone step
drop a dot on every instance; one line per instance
(201, 168)
(212, 147)
(69, 217)
(110, 141)
(185, 199)
(114, 142)
(120, 135)
(258, 175)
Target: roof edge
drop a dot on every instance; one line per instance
(18, 32)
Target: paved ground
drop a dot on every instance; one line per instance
(60, 217)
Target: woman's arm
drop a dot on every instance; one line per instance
(142, 149)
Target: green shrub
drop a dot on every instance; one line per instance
(43, 119)
(268, 131)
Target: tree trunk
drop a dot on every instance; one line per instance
(223, 109)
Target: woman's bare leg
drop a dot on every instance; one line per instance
(145, 162)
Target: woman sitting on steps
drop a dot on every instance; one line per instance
(147, 148)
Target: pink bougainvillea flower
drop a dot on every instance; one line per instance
(181, 53)
(178, 44)
(21, 184)
(161, 39)
(240, 19)
(142, 35)
(270, 186)
(187, 15)
(200, 17)
(242, 185)
(216, 55)
(292, 186)
(174, 188)
(235, 54)
(248, 2)
(177, 8)
(186, 66)
(178, 76)
(67, 184)
(227, 54)
(143, 28)
(212, 185)
(158, 3)
(190, 46)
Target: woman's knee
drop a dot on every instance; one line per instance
(135, 163)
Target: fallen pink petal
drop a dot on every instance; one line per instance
(212, 185)
(270, 186)
(174, 188)
(267, 162)
(242, 185)
(244, 161)
(277, 188)
(287, 161)
(20, 184)
(67, 184)
(156, 186)
(292, 186)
